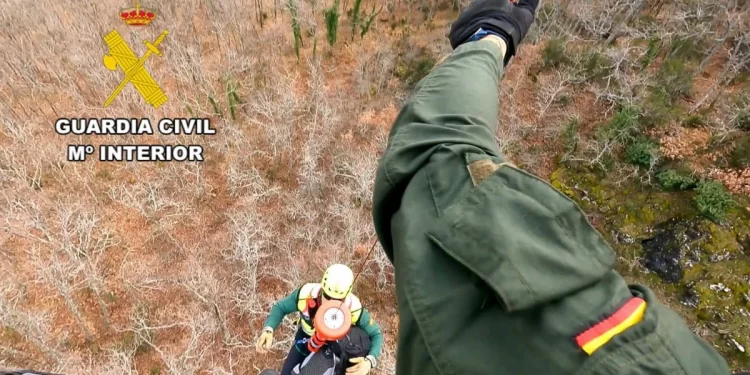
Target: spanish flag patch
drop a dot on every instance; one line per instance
(625, 317)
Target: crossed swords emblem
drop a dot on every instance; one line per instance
(146, 86)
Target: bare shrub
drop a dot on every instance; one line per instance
(34, 327)
(511, 126)
(149, 198)
(250, 238)
(318, 134)
(247, 180)
(551, 91)
(189, 357)
(374, 70)
(205, 287)
(358, 169)
(277, 108)
(67, 253)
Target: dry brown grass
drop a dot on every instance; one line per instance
(144, 268)
(681, 142)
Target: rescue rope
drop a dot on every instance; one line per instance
(361, 268)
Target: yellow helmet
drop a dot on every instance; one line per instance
(337, 281)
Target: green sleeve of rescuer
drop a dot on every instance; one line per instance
(495, 270)
(280, 309)
(373, 331)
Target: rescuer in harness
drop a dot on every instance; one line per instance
(336, 285)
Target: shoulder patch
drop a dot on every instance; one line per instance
(481, 169)
(630, 314)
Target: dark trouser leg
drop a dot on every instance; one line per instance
(297, 353)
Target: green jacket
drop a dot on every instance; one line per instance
(496, 271)
(364, 320)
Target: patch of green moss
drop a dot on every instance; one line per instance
(557, 180)
(715, 264)
(720, 240)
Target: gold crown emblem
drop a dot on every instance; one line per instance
(137, 16)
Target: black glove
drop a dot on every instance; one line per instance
(510, 21)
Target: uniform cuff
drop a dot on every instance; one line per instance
(497, 41)
(373, 361)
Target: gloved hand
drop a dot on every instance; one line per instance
(362, 366)
(511, 21)
(265, 340)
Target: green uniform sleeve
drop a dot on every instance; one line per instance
(280, 309)
(373, 331)
(496, 269)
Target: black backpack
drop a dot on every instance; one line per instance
(356, 343)
(334, 357)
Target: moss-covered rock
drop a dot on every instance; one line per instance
(666, 251)
(698, 267)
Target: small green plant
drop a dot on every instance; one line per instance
(659, 108)
(654, 47)
(740, 157)
(554, 54)
(686, 48)
(742, 120)
(570, 136)
(672, 180)
(332, 16)
(642, 152)
(675, 78)
(296, 29)
(563, 100)
(232, 97)
(713, 200)
(355, 16)
(694, 121)
(215, 105)
(623, 127)
(365, 26)
(596, 66)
